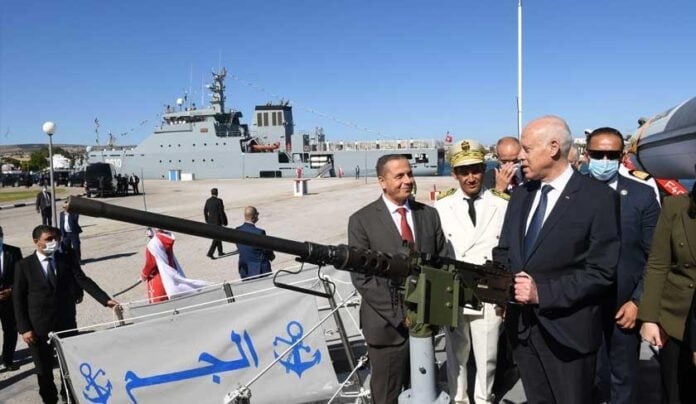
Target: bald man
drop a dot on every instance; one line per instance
(253, 261)
(561, 239)
(507, 150)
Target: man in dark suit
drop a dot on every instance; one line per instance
(214, 212)
(561, 239)
(618, 358)
(253, 261)
(391, 224)
(43, 206)
(44, 302)
(70, 231)
(9, 256)
(508, 175)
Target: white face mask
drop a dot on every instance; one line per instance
(50, 248)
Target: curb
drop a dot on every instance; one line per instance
(23, 204)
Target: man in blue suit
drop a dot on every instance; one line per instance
(253, 261)
(70, 231)
(561, 239)
(618, 358)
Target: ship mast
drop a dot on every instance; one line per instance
(218, 91)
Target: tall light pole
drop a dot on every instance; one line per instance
(519, 69)
(49, 128)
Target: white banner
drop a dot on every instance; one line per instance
(200, 356)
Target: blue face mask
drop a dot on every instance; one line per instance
(603, 170)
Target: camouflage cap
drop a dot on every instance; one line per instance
(465, 153)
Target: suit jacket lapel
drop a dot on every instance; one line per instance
(690, 231)
(386, 219)
(532, 188)
(417, 212)
(484, 213)
(37, 268)
(460, 211)
(563, 202)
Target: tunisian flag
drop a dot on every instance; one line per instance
(165, 278)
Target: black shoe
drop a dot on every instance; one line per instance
(10, 367)
(210, 256)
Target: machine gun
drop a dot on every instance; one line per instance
(434, 287)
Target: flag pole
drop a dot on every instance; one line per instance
(519, 68)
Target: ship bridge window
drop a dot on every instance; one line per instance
(265, 119)
(259, 119)
(422, 158)
(275, 119)
(283, 158)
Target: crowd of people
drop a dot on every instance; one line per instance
(598, 266)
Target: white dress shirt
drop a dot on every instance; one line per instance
(43, 259)
(396, 216)
(558, 185)
(66, 223)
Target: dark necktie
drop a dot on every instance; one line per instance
(472, 210)
(51, 272)
(406, 233)
(537, 221)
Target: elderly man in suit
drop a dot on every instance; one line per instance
(472, 218)
(44, 206)
(253, 261)
(561, 239)
(44, 302)
(618, 360)
(214, 212)
(393, 223)
(70, 231)
(9, 256)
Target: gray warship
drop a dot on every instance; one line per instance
(212, 142)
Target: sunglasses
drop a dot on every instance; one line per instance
(609, 154)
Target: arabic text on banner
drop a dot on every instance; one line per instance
(200, 356)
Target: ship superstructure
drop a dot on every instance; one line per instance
(213, 142)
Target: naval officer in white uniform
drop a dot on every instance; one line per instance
(472, 218)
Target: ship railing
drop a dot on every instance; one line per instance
(382, 145)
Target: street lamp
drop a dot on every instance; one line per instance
(49, 128)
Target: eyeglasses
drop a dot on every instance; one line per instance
(609, 154)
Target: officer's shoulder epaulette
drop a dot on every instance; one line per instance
(445, 194)
(641, 175)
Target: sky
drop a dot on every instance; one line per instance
(391, 69)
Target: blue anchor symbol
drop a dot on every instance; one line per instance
(102, 393)
(294, 362)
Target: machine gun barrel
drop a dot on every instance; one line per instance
(341, 256)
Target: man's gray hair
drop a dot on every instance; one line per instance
(557, 129)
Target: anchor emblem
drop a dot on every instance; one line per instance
(294, 361)
(102, 393)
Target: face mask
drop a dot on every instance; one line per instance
(603, 170)
(50, 248)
